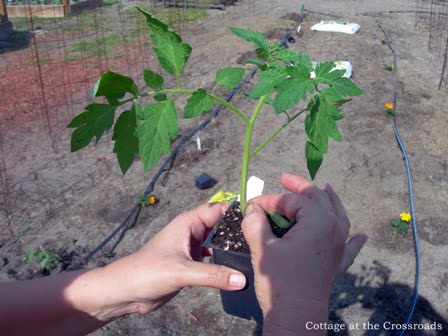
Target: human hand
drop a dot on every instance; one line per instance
(170, 261)
(294, 275)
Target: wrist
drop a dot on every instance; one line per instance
(99, 293)
(293, 321)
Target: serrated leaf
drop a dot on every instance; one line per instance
(320, 125)
(290, 92)
(199, 103)
(114, 86)
(153, 79)
(251, 36)
(298, 71)
(334, 99)
(268, 80)
(314, 159)
(229, 77)
(295, 57)
(156, 133)
(157, 26)
(334, 78)
(171, 52)
(172, 55)
(97, 119)
(126, 142)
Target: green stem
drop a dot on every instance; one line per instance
(178, 82)
(275, 133)
(230, 107)
(246, 154)
(221, 101)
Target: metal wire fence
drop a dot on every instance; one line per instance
(433, 15)
(50, 78)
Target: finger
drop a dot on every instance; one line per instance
(256, 228)
(208, 214)
(352, 249)
(210, 275)
(338, 207)
(286, 204)
(201, 220)
(300, 185)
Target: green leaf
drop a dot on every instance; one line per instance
(153, 79)
(295, 57)
(168, 47)
(290, 92)
(126, 143)
(334, 99)
(268, 80)
(314, 159)
(156, 133)
(114, 86)
(160, 97)
(97, 119)
(279, 220)
(251, 36)
(29, 256)
(298, 71)
(199, 103)
(229, 77)
(334, 78)
(320, 125)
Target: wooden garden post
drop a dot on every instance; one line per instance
(66, 4)
(3, 12)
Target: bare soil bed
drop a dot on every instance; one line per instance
(70, 202)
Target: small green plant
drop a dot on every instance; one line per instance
(49, 260)
(389, 109)
(389, 66)
(145, 200)
(284, 82)
(401, 225)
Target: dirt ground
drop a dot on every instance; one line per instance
(69, 202)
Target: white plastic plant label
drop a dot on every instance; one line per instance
(255, 187)
(337, 27)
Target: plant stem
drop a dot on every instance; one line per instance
(246, 154)
(178, 82)
(275, 133)
(221, 101)
(230, 107)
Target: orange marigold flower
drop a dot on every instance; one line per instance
(389, 106)
(152, 200)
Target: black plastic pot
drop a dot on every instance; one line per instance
(242, 303)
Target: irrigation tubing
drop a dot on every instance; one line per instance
(167, 164)
(409, 178)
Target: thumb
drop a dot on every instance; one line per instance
(215, 276)
(352, 248)
(256, 228)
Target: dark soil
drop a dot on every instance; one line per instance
(229, 235)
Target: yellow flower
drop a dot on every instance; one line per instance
(152, 200)
(389, 106)
(405, 217)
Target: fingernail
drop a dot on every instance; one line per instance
(237, 281)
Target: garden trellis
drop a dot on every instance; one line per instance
(63, 57)
(433, 14)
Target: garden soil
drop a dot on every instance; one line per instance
(69, 202)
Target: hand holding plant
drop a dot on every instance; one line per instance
(314, 252)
